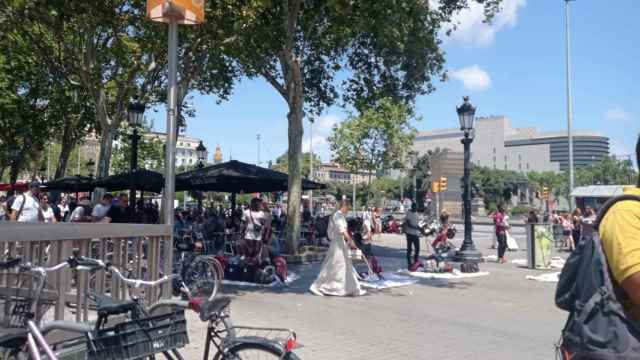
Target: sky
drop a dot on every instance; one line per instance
(513, 67)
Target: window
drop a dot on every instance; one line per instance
(505, 158)
(527, 166)
(494, 150)
(519, 157)
(520, 167)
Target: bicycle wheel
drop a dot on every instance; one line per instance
(203, 277)
(254, 351)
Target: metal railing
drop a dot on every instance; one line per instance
(146, 251)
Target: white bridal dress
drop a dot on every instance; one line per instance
(337, 276)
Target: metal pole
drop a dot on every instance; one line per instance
(133, 166)
(401, 181)
(49, 162)
(415, 190)
(353, 180)
(78, 160)
(468, 252)
(172, 96)
(569, 104)
(258, 138)
(311, 164)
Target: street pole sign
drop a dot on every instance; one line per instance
(189, 12)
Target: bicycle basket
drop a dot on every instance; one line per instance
(18, 298)
(139, 338)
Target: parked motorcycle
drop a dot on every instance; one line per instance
(390, 225)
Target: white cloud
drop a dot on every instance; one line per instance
(472, 77)
(617, 114)
(321, 130)
(471, 30)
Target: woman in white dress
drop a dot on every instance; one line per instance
(337, 276)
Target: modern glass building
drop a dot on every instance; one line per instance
(587, 148)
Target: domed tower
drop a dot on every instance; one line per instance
(217, 157)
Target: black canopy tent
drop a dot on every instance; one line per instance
(76, 183)
(238, 177)
(144, 180)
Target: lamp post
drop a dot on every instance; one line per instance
(201, 152)
(91, 165)
(414, 162)
(311, 163)
(468, 253)
(135, 114)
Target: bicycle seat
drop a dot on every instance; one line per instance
(106, 305)
(10, 264)
(210, 309)
(13, 338)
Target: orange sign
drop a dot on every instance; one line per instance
(184, 11)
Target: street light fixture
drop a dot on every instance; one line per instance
(91, 165)
(201, 153)
(413, 160)
(135, 114)
(468, 253)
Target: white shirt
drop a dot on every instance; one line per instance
(77, 214)
(48, 215)
(253, 218)
(412, 222)
(100, 211)
(30, 210)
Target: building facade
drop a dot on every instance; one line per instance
(328, 173)
(185, 148)
(497, 145)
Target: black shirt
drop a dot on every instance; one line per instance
(118, 214)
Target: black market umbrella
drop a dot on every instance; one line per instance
(237, 177)
(142, 179)
(76, 183)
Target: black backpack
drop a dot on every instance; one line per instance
(598, 326)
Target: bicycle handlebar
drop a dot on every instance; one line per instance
(89, 264)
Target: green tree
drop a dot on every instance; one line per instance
(150, 152)
(282, 163)
(609, 171)
(386, 48)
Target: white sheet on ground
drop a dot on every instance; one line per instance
(491, 258)
(557, 262)
(548, 277)
(390, 281)
(291, 277)
(456, 274)
(522, 262)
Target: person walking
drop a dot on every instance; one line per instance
(567, 231)
(26, 207)
(337, 276)
(102, 208)
(501, 233)
(48, 214)
(412, 231)
(576, 218)
(253, 227)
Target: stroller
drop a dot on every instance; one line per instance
(364, 253)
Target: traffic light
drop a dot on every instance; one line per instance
(435, 187)
(443, 184)
(545, 193)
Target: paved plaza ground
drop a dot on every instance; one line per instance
(500, 316)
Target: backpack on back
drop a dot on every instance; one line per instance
(598, 327)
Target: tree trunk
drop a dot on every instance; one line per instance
(65, 151)
(296, 132)
(104, 156)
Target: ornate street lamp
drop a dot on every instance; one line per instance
(413, 160)
(201, 153)
(468, 253)
(91, 166)
(135, 114)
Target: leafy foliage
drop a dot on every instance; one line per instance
(282, 163)
(150, 152)
(374, 140)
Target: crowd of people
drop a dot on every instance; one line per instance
(35, 206)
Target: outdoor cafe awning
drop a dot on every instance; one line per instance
(76, 183)
(144, 180)
(598, 191)
(238, 177)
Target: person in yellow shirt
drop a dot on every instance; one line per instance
(620, 236)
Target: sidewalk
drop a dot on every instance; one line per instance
(500, 316)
